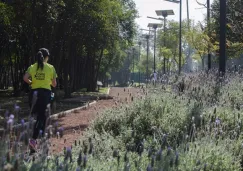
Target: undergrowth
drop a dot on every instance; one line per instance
(199, 128)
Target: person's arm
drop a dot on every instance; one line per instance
(26, 78)
(54, 82)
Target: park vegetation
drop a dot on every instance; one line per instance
(195, 125)
(86, 39)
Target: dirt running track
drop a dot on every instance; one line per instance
(75, 123)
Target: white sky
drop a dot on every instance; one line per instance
(148, 7)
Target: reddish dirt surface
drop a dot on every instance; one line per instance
(74, 124)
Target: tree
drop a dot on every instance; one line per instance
(198, 39)
(142, 65)
(86, 39)
(168, 55)
(168, 42)
(234, 29)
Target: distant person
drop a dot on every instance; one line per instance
(40, 76)
(154, 78)
(132, 82)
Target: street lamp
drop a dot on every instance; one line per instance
(155, 18)
(133, 51)
(154, 26)
(139, 43)
(164, 13)
(147, 37)
(222, 44)
(209, 33)
(180, 53)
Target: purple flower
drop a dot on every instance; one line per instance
(177, 159)
(40, 132)
(159, 155)
(149, 168)
(16, 107)
(78, 169)
(11, 116)
(6, 113)
(22, 122)
(217, 121)
(85, 161)
(10, 121)
(168, 150)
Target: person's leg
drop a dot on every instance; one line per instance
(30, 98)
(43, 100)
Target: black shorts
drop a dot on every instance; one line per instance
(43, 95)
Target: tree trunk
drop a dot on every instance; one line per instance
(91, 76)
(202, 59)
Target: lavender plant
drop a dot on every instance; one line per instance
(199, 128)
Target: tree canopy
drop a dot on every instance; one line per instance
(85, 38)
(234, 29)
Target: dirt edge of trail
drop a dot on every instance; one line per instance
(75, 123)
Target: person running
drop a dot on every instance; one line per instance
(40, 76)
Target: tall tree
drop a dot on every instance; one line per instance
(169, 41)
(85, 38)
(199, 40)
(234, 34)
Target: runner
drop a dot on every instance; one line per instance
(40, 76)
(154, 78)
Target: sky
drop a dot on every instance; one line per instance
(148, 7)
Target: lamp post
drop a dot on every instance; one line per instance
(133, 51)
(180, 53)
(222, 44)
(139, 43)
(209, 33)
(129, 64)
(154, 26)
(164, 13)
(147, 36)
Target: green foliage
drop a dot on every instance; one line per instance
(198, 128)
(168, 41)
(209, 154)
(234, 27)
(199, 40)
(142, 65)
(6, 14)
(81, 36)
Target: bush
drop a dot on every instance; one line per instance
(199, 128)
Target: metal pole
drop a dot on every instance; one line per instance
(222, 46)
(147, 37)
(164, 40)
(188, 22)
(209, 33)
(133, 63)
(180, 38)
(189, 64)
(139, 61)
(155, 27)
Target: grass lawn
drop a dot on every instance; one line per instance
(103, 90)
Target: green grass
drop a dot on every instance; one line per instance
(103, 90)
